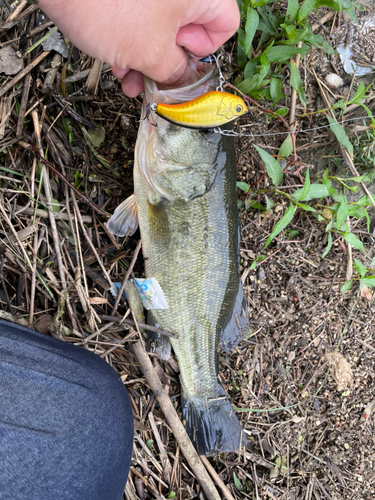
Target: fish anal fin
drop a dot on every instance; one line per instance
(125, 218)
(237, 326)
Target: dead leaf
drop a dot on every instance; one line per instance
(42, 324)
(10, 63)
(366, 293)
(340, 369)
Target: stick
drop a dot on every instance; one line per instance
(175, 423)
(23, 73)
(44, 214)
(119, 295)
(118, 319)
(25, 97)
(228, 495)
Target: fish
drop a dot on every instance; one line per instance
(185, 205)
(207, 111)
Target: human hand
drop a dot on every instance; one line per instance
(145, 37)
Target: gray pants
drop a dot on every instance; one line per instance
(66, 424)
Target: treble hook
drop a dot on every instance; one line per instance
(149, 108)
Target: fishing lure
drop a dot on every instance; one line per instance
(210, 110)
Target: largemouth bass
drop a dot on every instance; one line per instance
(185, 204)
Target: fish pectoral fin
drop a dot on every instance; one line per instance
(224, 107)
(237, 326)
(125, 218)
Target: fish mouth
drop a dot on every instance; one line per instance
(205, 79)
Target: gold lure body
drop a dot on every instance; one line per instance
(207, 111)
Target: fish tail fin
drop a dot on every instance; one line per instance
(125, 218)
(212, 425)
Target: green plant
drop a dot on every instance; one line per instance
(270, 38)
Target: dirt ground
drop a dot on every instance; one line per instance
(302, 381)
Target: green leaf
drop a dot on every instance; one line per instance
(360, 268)
(282, 111)
(369, 281)
(306, 187)
(250, 67)
(250, 84)
(340, 134)
(172, 494)
(281, 53)
(290, 234)
(273, 167)
(358, 96)
(329, 245)
(305, 9)
(291, 11)
(237, 482)
(241, 54)
(286, 147)
(316, 191)
(346, 286)
(252, 21)
(265, 67)
(296, 82)
(353, 240)
(269, 203)
(242, 185)
(97, 136)
(275, 89)
(342, 213)
(283, 222)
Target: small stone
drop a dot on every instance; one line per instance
(334, 81)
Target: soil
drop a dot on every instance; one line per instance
(302, 381)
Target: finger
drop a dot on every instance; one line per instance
(120, 72)
(171, 67)
(200, 41)
(132, 84)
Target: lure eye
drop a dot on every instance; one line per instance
(239, 109)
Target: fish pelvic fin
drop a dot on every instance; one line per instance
(125, 218)
(238, 324)
(212, 425)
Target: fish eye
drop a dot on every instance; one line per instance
(239, 109)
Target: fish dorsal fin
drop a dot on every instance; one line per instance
(237, 326)
(224, 108)
(125, 218)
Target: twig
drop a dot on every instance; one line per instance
(44, 214)
(175, 423)
(23, 73)
(167, 469)
(118, 319)
(33, 280)
(47, 191)
(24, 99)
(3, 285)
(228, 495)
(92, 246)
(119, 295)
